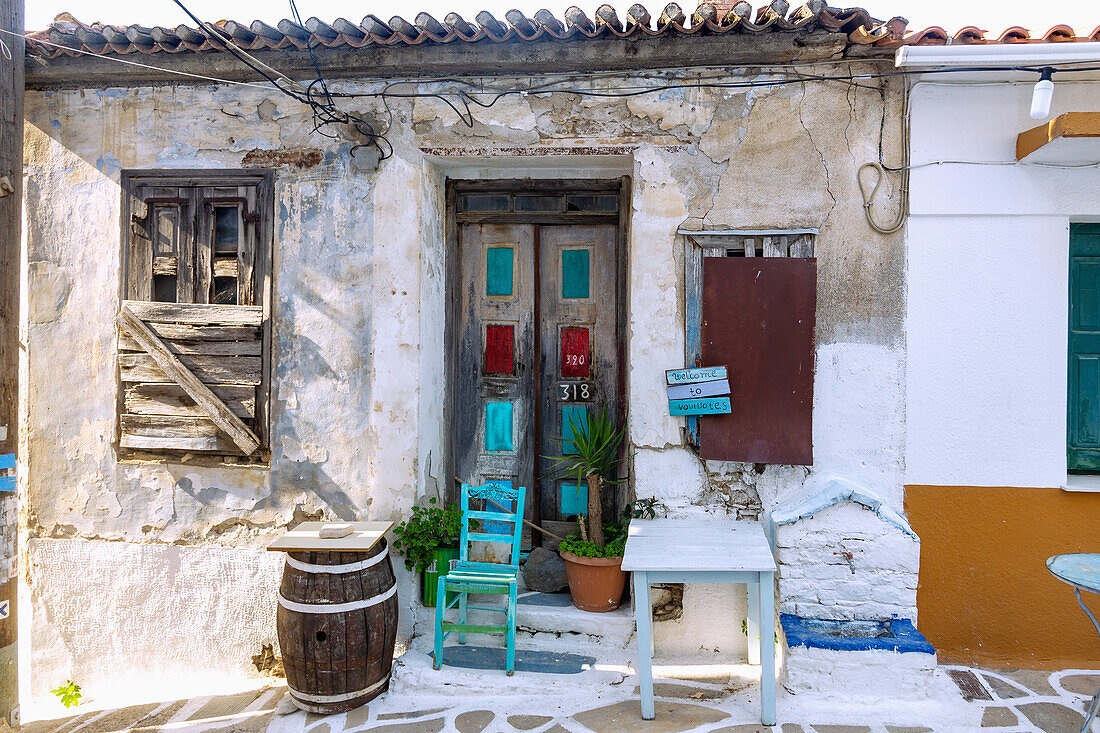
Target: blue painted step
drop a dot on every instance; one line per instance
(484, 657)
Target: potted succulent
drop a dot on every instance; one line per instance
(428, 540)
(594, 554)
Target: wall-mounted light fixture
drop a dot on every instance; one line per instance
(1042, 94)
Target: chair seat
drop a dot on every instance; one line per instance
(484, 572)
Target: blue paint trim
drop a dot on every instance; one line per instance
(805, 632)
(7, 460)
(7, 483)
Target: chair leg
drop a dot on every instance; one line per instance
(510, 638)
(440, 606)
(462, 615)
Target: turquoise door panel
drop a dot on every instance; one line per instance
(570, 415)
(574, 273)
(574, 499)
(498, 426)
(499, 266)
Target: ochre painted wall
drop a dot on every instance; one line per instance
(985, 595)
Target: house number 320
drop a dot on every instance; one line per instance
(575, 391)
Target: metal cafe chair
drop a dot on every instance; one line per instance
(483, 578)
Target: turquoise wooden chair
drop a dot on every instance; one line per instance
(483, 578)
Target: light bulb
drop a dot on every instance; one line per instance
(1041, 97)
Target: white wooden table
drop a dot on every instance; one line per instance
(705, 551)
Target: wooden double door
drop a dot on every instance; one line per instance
(537, 343)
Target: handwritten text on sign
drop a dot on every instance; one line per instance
(702, 406)
(699, 391)
(699, 374)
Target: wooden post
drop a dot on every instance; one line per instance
(11, 171)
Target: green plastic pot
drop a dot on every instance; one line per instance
(430, 577)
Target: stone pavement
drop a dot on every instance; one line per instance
(1002, 701)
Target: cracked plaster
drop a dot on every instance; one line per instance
(359, 300)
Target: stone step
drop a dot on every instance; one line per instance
(550, 613)
(562, 673)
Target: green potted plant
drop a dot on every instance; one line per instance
(428, 540)
(594, 554)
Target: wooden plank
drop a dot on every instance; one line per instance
(204, 246)
(696, 374)
(771, 247)
(139, 250)
(170, 432)
(700, 406)
(171, 399)
(210, 348)
(245, 439)
(208, 369)
(225, 267)
(189, 332)
(803, 246)
(165, 265)
(246, 254)
(714, 388)
(196, 313)
(306, 537)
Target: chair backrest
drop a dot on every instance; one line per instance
(503, 505)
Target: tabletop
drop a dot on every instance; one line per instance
(697, 545)
(1080, 569)
(306, 537)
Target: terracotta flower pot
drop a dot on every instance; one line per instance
(596, 583)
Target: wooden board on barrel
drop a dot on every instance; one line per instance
(337, 616)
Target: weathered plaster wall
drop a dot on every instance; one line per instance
(360, 253)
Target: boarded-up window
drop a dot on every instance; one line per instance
(194, 325)
(758, 316)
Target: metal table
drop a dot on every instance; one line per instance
(1082, 571)
(704, 551)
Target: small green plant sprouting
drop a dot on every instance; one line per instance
(69, 693)
(429, 528)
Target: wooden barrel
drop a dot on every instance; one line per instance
(337, 623)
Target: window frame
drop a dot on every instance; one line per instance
(262, 287)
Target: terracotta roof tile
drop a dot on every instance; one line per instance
(68, 36)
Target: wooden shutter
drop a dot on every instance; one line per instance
(758, 318)
(194, 341)
(1083, 420)
(190, 373)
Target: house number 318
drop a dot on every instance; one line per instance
(575, 391)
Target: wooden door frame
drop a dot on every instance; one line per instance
(620, 187)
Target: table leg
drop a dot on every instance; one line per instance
(753, 623)
(766, 593)
(642, 611)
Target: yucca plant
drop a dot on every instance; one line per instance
(592, 455)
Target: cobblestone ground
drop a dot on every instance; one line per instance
(1002, 700)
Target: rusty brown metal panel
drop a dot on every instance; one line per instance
(758, 319)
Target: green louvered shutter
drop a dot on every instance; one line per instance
(1083, 423)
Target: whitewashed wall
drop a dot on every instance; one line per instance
(358, 428)
(988, 268)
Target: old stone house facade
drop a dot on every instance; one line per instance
(669, 140)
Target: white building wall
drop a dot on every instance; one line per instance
(357, 421)
(986, 314)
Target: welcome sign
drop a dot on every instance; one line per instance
(698, 391)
